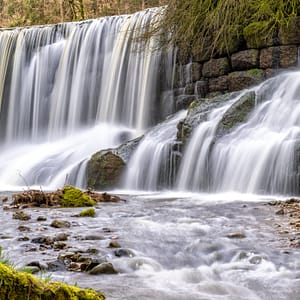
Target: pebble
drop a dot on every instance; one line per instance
(237, 235)
(20, 215)
(104, 268)
(122, 252)
(60, 224)
(114, 244)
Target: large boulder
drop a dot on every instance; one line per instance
(236, 114)
(105, 167)
(197, 113)
(104, 170)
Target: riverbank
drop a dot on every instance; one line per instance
(288, 223)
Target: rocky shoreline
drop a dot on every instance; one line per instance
(288, 223)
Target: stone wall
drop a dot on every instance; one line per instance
(258, 60)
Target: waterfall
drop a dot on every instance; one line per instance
(69, 90)
(152, 165)
(259, 156)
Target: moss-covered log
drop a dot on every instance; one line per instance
(16, 285)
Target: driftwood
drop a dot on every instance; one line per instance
(39, 198)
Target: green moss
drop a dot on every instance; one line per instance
(254, 72)
(73, 197)
(16, 285)
(88, 213)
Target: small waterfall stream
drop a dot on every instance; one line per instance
(259, 156)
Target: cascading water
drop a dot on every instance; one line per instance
(151, 165)
(59, 82)
(259, 156)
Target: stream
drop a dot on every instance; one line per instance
(181, 246)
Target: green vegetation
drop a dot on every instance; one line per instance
(16, 285)
(4, 259)
(73, 197)
(207, 28)
(33, 12)
(88, 213)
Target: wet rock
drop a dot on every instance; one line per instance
(243, 79)
(24, 239)
(62, 236)
(37, 264)
(280, 212)
(74, 267)
(90, 264)
(30, 248)
(104, 268)
(60, 224)
(92, 251)
(60, 246)
(255, 260)
(236, 114)
(183, 101)
(5, 237)
(103, 197)
(42, 240)
(55, 266)
(41, 218)
(91, 237)
(114, 244)
(104, 170)
(20, 215)
(87, 213)
(4, 200)
(123, 252)
(197, 113)
(237, 235)
(23, 228)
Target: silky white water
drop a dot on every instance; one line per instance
(62, 85)
(259, 156)
(151, 165)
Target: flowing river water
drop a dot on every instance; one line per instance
(181, 246)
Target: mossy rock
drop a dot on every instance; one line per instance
(236, 114)
(88, 213)
(16, 285)
(104, 170)
(73, 197)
